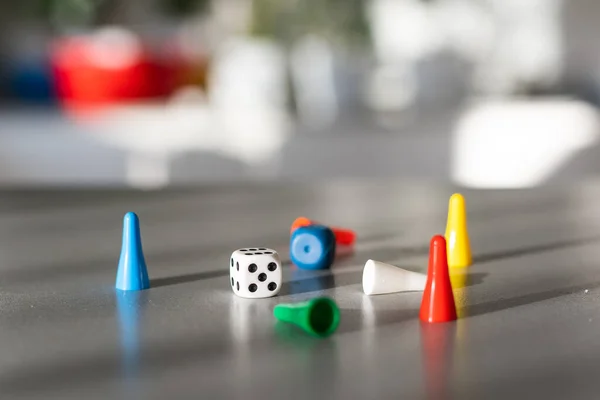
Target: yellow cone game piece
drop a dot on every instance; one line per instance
(457, 237)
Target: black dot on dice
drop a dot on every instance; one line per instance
(272, 266)
(232, 262)
(252, 288)
(272, 286)
(238, 286)
(243, 249)
(232, 282)
(248, 254)
(252, 268)
(237, 265)
(257, 253)
(262, 277)
(268, 252)
(253, 249)
(261, 248)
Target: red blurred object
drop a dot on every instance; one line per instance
(438, 300)
(437, 352)
(95, 70)
(343, 236)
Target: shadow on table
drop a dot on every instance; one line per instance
(513, 253)
(307, 282)
(189, 255)
(526, 299)
(312, 281)
(187, 278)
(194, 277)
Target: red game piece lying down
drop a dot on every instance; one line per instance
(343, 236)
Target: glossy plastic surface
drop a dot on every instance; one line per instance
(438, 300)
(318, 317)
(132, 273)
(312, 247)
(299, 222)
(457, 236)
(382, 278)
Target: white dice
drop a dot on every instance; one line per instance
(255, 272)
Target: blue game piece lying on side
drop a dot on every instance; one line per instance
(132, 273)
(312, 247)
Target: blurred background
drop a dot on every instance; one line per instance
(149, 93)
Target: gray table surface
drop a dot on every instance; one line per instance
(530, 312)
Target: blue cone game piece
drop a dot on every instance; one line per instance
(132, 273)
(312, 247)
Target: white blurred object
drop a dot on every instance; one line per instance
(403, 33)
(188, 95)
(147, 171)
(249, 73)
(154, 135)
(466, 27)
(519, 144)
(403, 30)
(407, 32)
(251, 136)
(248, 96)
(410, 30)
(312, 67)
(114, 48)
(391, 87)
(243, 118)
(528, 47)
(508, 43)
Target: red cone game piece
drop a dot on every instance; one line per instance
(438, 300)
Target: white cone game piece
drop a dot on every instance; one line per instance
(381, 278)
